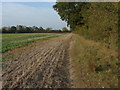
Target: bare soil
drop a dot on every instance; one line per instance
(40, 65)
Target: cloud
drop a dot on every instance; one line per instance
(15, 13)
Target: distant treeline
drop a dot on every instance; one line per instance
(34, 29)
(94, 20)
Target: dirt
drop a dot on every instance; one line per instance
(39, 65)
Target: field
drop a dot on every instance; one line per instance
(80, 52)
(25, 67)
(10, 41)
(49, 60)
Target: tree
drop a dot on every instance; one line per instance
(64, 29)
(70, 12)
(25, 29)
(48, 29)
(4, 30)
(13, 29)
(97, 21)
(20, 29)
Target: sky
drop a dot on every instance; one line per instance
(31, 14)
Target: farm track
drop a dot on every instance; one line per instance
(44, 66)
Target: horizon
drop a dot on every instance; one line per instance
(40, 14)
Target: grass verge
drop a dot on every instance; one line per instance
(98, 66)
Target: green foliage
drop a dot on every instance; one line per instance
(99, 68)
(24, 29)
(70, 12)
(10, 41)
(93, 20)
(64, 29)
(48, 29)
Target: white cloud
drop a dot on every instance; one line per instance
(14, 14)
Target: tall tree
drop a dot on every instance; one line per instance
(70, 12)
(13, 29)
(64, 29)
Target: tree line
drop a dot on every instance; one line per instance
(34, 29)
(93, 20)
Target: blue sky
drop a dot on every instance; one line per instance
(31, 14)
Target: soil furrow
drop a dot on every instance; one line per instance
(43, 66)
(17, 77)
(48, 72)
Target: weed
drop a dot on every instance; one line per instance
(99, 68)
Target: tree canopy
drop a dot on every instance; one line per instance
(94, 20)
(70, 12)
(25, 29)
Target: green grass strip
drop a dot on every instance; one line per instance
(8, 47)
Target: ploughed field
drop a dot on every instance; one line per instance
(31, 60)
(57, 60)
